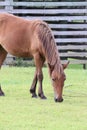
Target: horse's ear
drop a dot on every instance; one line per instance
(51, 67)
(65, 65)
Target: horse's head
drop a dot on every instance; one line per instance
(58, 79)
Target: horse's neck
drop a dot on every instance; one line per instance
(51, 56)
(58, 68)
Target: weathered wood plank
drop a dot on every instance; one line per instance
(70, 33)
(73, 54)
(72, 47)
(58, 18)
(48, 4)
(75, 61)
(4, 3)
(50, 11)
(78, 26)
(44, 4)
(71, 40)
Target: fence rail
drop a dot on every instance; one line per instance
(68, 21)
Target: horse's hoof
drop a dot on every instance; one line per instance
(1, 92)
(32, 91)
(34, 95)
(42, 96)
(58, 100)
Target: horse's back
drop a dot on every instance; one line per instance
(18, 36)
(3, 15)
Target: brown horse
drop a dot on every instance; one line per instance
(24, 38)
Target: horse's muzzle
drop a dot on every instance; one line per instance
(58, 100)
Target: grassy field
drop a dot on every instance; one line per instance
(18, 111)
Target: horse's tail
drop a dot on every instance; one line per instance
(47, 39)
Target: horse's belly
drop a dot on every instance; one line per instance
(19, 51)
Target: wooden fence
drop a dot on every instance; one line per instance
(68, 20)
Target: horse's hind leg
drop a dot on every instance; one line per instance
(1, 92)
(3, 54)
(33, 86)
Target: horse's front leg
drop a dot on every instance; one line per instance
(40, 90)
(39, 61)
(33, 86)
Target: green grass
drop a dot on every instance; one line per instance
(18, 111)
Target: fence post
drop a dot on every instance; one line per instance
(9, 7)
(84, 66)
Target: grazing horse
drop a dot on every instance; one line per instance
(32, 38)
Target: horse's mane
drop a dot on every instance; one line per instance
(49, 45)
(47, 39)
